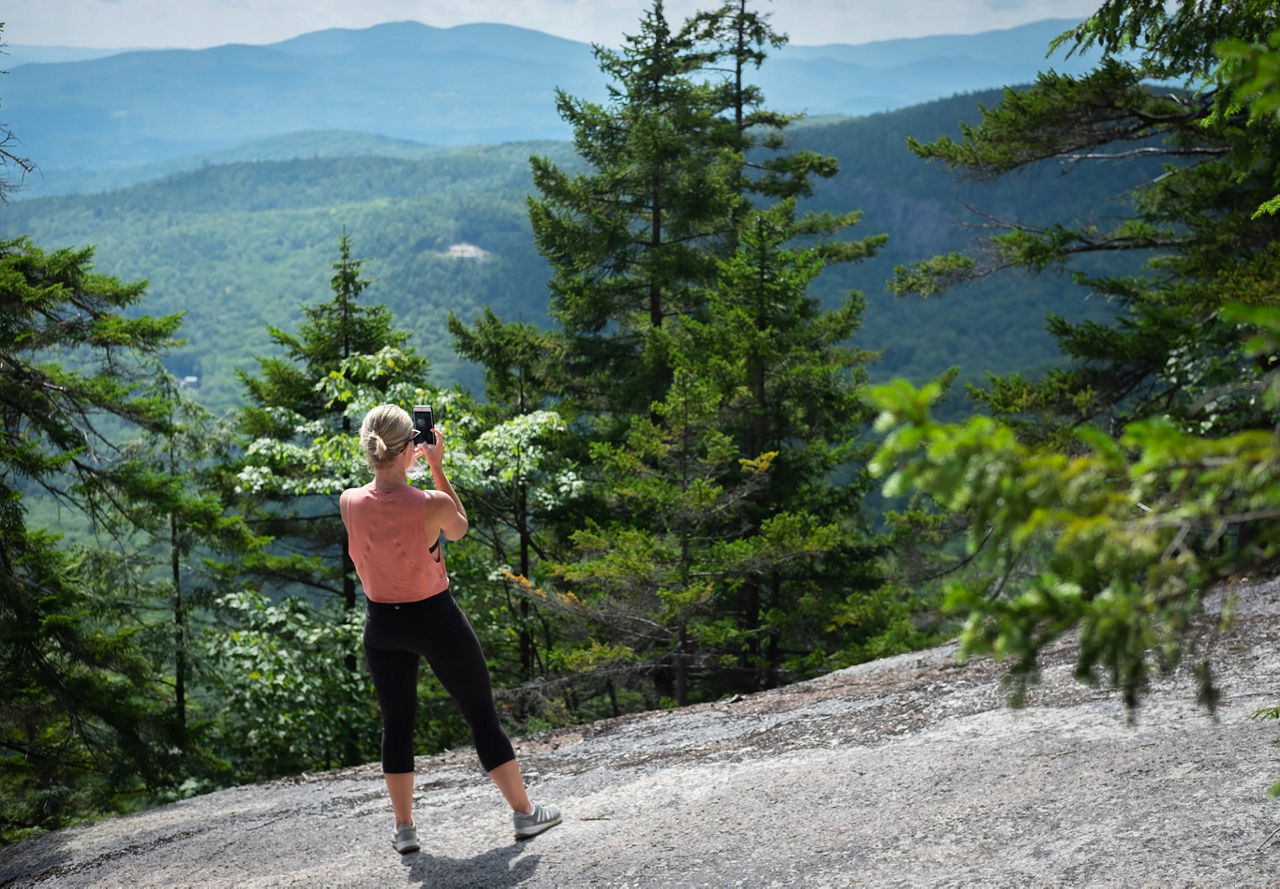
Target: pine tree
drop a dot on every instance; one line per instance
(86, 726)
(647, 583)
(665, 271)
(791, 384)
(1170, 351)
(287, 408)
(631, 241)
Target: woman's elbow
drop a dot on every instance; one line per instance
(458, 530)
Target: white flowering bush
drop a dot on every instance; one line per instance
(515, 452)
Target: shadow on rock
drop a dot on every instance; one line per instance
(44, 856)
(506, 866)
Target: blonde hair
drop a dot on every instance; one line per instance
(386, 431)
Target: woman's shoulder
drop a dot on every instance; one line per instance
(436, 501)
(358, 491)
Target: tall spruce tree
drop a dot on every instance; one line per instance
(631, 241)
(87, 724)
(287, 408)
(649, 587)
(664, 270)
(791, 385)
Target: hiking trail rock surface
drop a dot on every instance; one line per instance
(910, 771)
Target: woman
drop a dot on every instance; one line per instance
(393, 532)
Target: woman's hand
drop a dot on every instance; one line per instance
(433, 452)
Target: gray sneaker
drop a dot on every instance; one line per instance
(406, 839)
(542, 818)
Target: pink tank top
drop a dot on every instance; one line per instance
(388, 541)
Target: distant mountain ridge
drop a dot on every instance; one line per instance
(469, 84)
(242, 237)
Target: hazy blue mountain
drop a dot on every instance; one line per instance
(466, 85)
(13, 56)
(1023, 46)
(888, 74)
(403, 81)
(305, 144)
(243, 242)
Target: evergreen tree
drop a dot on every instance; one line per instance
(1171, 351)
(694, 301)
(87, 725)
(288, 409)
(647, 583)
(792, 387)
(630, 241)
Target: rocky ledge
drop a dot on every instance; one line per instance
(910, 771)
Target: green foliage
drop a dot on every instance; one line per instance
(285, 700)
(1251, 73)
(518, 358)
(1121, 539)
(513, 454)
(517, 472)
(1194, 225)
(87, 724)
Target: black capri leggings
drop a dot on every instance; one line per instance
(395, 636)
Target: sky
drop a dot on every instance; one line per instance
(114, 24)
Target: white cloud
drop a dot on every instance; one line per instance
(195, 23)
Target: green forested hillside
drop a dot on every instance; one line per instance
(456, 86)
(241, 245)
(304, 144)
(996, 324)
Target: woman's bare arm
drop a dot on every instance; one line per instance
(444, 507)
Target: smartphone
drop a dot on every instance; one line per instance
(423, 423)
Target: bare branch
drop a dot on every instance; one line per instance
(1145, 152)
